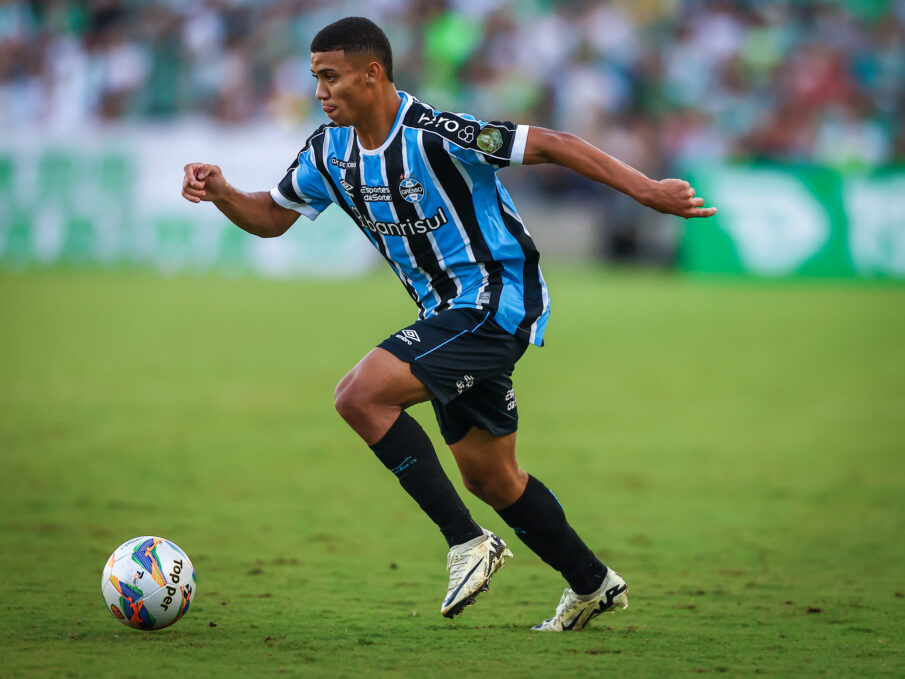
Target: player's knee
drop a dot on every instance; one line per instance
(474, 484)
(349, 401)
(486, 489)
(498, 489)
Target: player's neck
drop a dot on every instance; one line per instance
(374, 130)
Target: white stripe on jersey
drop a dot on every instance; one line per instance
(545, 297)
(373, 238)
(281, 200)
(420, 211)
(455, 279)
(519, 144)
(405, 240)
(445, 198)
(327, 185)
(470, 185)
(453, 213)
(514, 216)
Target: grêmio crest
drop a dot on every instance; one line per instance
(411, 190)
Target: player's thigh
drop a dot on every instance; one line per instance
(380, 377)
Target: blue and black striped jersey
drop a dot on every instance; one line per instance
(429, 200)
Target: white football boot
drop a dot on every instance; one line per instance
(575, 610)
(470, 567)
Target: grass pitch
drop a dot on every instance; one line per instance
(734, 449)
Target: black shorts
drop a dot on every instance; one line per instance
(465, 360)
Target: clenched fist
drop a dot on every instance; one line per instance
(203, 182)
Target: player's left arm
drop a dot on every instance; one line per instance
(670, 196)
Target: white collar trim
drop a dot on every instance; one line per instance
(400, 116)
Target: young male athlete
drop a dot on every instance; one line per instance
(421, 185)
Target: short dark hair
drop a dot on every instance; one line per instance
(356, 35)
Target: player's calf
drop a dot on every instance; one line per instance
(540, 522)
(406, 450)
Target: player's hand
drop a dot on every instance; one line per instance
(676, 197)
(203, 182)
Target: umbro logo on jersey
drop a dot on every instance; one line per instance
(347, 187)
(408, 335)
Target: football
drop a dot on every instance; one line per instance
(148, 583)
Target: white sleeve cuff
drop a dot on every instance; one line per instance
(518, 145)
(283, 201)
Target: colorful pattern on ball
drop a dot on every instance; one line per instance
(145, 583)
(186, 600)
(131, 601)
(145, 555)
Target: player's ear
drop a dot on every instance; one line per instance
(372, 75)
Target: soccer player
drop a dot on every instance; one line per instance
(421, 186)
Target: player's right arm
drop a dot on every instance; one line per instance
(256, 213)
(670, 196)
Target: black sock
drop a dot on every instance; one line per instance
(539, 520)
(407, 451)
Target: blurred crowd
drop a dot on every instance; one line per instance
(654, 82)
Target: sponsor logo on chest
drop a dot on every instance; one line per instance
(376, 194)
(410, 190)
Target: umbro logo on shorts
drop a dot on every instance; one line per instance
(408, 335)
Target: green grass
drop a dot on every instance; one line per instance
(735, 449)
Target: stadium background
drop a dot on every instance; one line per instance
(733, 445)
(802, 101)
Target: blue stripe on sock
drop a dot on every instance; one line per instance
(402, 466)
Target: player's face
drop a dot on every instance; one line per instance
(342, 85)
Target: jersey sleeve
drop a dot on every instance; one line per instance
(499, 143)
(302, 187)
